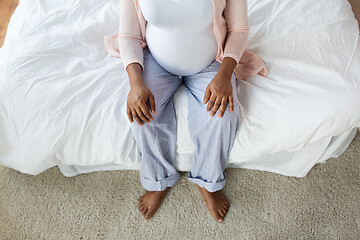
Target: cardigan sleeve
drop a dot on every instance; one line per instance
(235, 13)
(129, 36)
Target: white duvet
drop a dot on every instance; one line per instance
(62, 97)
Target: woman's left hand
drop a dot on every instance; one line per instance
(218, 93)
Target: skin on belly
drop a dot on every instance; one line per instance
(182, 53)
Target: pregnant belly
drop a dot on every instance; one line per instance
(182, 53)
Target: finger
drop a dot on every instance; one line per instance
(211, 102)
(207, 96)
(137, 119)
(145, 109)
(141, 114)
(231, 103)
(222, 107)
(216, 106)
(152, 104)
(128, 112)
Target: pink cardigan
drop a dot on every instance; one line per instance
(230, 27)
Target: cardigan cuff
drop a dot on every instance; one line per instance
(232, 56)
(133, 61)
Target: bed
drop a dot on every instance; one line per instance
(62, 97)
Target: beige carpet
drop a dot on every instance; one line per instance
(103, 205)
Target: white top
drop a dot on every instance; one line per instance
(180, 34)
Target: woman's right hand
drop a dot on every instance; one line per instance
(137, 108)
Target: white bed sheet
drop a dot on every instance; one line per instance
(62, 97)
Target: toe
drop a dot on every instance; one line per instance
(145, 210)
(217, 216)
(220, 211)
(149, 214)
(225, 209)
(224, 212)
(227, 203)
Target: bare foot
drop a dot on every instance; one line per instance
(216, 203)
(150, 201)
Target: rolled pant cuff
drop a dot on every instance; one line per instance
(210, 186)
(159, 185)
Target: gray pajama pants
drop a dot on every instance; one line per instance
(156, 141)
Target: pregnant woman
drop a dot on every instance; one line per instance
(200, 43)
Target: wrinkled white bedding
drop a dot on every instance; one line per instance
(62, 98)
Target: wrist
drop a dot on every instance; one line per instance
(136, 82)
(225, 75)
(227, 67)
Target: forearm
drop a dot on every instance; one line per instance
(234, 49)
(131, 51)
(130, 38)
(235, 44)
(227, 66)
(135, 74)
(237, 24)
